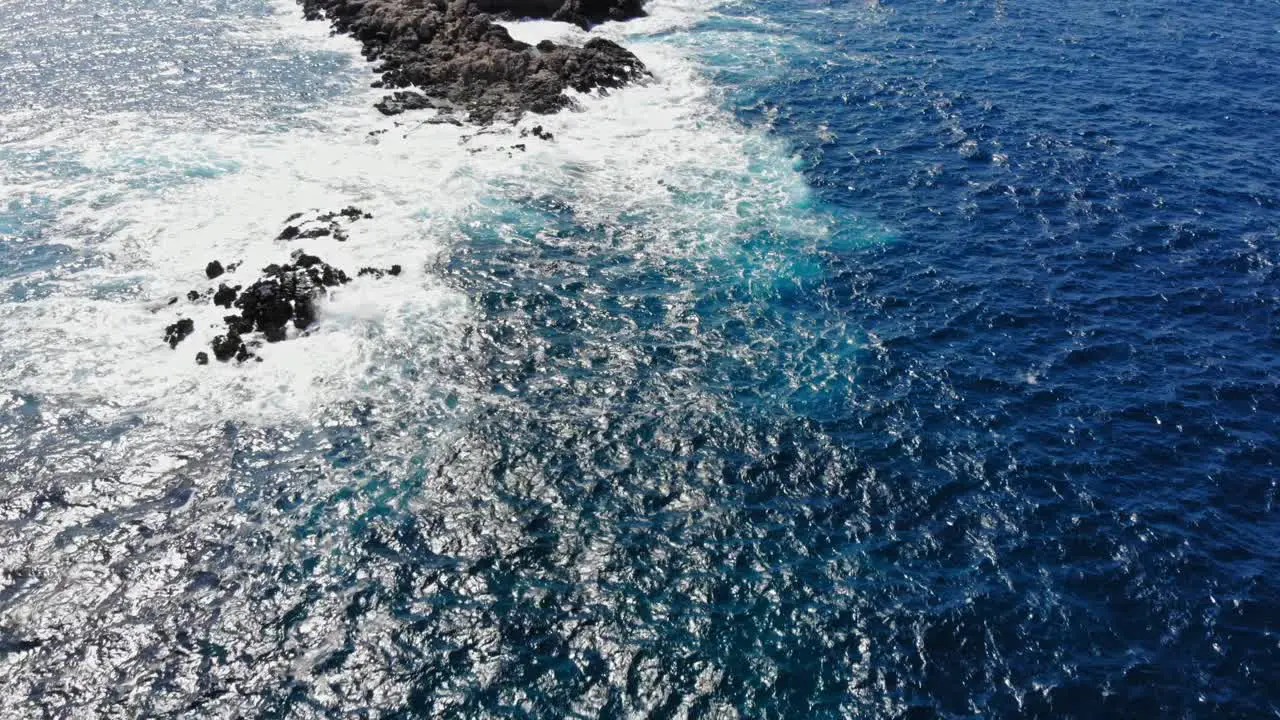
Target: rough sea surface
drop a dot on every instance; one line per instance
(899, 359)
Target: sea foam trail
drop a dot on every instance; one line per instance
(151, 203)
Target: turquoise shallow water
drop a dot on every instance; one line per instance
(898, 359)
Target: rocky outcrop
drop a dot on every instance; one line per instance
(455, 55)
(283, 296)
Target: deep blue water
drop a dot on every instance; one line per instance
(1000, 441)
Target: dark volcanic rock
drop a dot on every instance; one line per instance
(304, 260)
(179, 331)
(451, 50)
(304, 312)
(238, 324)
(288, 293)
(269, 306)
(225, 295)
(402, 100)
(213, 269)
(229, 346)
(379, 272)
(322, 225)
(539, 133)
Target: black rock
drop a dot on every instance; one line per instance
(238, 324)
(350, 213)
(287, 293)
(268, 306)
(225, 295)
(202, 358)
(332, 277)
(290, 232)
(379, 272)
(403, 100)
(228, 346)
(313, 233)
(213, 269)
(178, 332)
(173, 300)
(193, 296)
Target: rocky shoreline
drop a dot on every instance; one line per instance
(454, 56)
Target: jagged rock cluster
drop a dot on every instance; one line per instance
(456, 56)
(322, 225)
(284, 295)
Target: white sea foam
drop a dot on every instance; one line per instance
(153, 203)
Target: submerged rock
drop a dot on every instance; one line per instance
(453, 51)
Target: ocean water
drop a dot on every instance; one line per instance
(898, 359)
